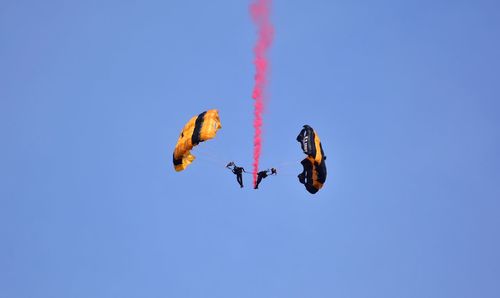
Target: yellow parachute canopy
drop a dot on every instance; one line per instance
(198, 129)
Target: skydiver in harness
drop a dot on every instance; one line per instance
(238, 171)
(263, 174)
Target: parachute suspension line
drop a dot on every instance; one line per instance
(287, 164)
(214, 158)
(287, 174)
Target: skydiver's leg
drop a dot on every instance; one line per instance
(259, 178)
(239, 179)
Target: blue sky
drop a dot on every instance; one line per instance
(404, 95)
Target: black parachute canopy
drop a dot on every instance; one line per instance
(314, 174)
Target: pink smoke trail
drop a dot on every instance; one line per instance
(260, 11)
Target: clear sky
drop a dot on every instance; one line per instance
(405, 96)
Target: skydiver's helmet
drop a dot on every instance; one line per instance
(230, 164)
(273, 171)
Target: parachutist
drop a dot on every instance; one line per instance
(263, 174)
(238, 171)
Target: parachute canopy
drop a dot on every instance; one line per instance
(314, 174)
(198, 129)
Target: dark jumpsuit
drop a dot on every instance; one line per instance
(239, 173)
(260, 176)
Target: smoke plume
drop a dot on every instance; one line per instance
(260, 11)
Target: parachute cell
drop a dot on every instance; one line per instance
(198, 129)
(314, 174)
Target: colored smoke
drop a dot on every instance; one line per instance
(260, 11)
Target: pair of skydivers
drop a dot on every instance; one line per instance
(238, 171)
